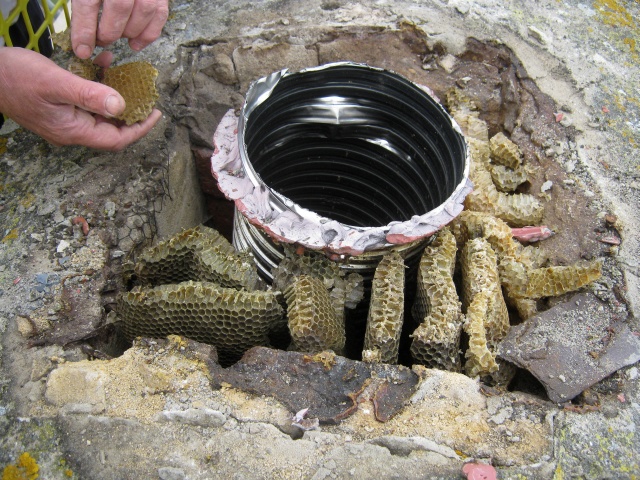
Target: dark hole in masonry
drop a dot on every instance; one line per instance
(509, 101)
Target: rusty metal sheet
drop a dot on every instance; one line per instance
(330, 386)
(572, 346)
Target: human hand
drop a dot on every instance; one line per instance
(140, 21)
(61, 107)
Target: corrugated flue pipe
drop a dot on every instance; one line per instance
(344, 158)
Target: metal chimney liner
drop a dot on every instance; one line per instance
(344, 158)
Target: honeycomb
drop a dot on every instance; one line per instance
(518, 209)
(479, 265)
(62, 39)
(199, 254)
(519, 267)
(506, 179)
(479, 360)
(469, 225)
(552, 281)
(515, 209)
(481, 288)
(135, 81)
(84, 68)
(313, 322)
(345, 290)
(505, 152)
(386, 309)
(466, 114)
(232, 320)
(436, 341)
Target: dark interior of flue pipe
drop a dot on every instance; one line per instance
(357, 145)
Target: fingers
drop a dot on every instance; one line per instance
(113, 20)
(94, 97)
(142, 32)
(84, 25)
(141, 21)
(103, 135)
(104, 59)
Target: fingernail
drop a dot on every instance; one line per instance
(137, 46)
(83, 51)
(113, 105)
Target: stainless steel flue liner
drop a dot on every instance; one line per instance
(344, 158)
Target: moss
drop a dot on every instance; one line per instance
(25, 468)
(12, 235)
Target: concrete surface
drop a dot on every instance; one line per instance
(151, 413)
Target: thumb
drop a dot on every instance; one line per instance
(94, 97)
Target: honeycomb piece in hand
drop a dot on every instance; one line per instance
(199, 254)
(84, 68)
(436, 341)
(313, 322)
(62, 39)
(504, 151)
(231, 320)
(136, 82)
(386, 308)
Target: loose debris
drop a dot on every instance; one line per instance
(571, 346)
(303, 423)
(479, 471)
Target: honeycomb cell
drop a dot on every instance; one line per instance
(386, 309)
(313, 322)
(436, 341)
(83, 68)
(518, 209)
(504, 151)
(136, 82)
(138, 317)
(345, 291)
(506, 179)
(198, 254)
(481, 288)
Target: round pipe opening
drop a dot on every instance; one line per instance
(346, 159)
(362, 146)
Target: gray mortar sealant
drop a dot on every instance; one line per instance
(284, 220)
